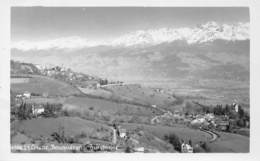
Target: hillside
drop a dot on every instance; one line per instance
(44, 86)
(206, 70)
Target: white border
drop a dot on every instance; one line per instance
(5, 80)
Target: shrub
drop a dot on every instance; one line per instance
(65, 113)
(205, 146)
(72, 140)
(128, 149)
(82, 135)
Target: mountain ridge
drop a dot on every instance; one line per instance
(202, 33)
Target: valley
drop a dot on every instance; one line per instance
(90, 113)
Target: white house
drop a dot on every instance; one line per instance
(139, 149)
(122, 133)
(209, 116)
(19, 96)
(27, 94)
(37, 111)
(154, 106)
(186, 148)
(98, 85)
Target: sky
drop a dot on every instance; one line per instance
(104, 23)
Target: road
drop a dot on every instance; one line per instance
(213, 135)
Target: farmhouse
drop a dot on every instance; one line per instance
(19, 96)
(154, 106)
(27, 94)
(186, 148)
(139, 149)
(37, 110)
(98, 85)
(122, 133)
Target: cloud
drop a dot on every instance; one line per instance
(74, 42)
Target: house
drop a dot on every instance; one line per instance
(19, 96)
(222, 125)
(154, 106)
(27, 94)
(94, 84)
(45, 94)
(139, 149)
(186, 148)
(209, 116)
(122, 133)
(199, 122)
(98, 85)
(36, 111)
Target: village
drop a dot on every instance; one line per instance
(211, 120)
(229, 119)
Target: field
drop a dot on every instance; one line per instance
(228, 143)
(183, 132)
(207, 91)
(96, 92)
(142, 95)
(95, 108)
(73, 126)
(48, 86)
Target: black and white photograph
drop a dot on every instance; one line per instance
(130, 80)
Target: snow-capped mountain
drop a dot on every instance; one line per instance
(200, 34)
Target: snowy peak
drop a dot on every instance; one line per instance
(203, 33)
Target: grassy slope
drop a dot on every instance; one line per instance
(183, 132)
(229, 143)
(46, 126)
(143, 95)
(41, 84)
(106, 106)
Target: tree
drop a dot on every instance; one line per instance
(205, 146)
(174, 140)
(241, 112)
(241, 123)
(22, 111)
(227, 109)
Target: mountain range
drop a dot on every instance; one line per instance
(200, 34)
(209, 52)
